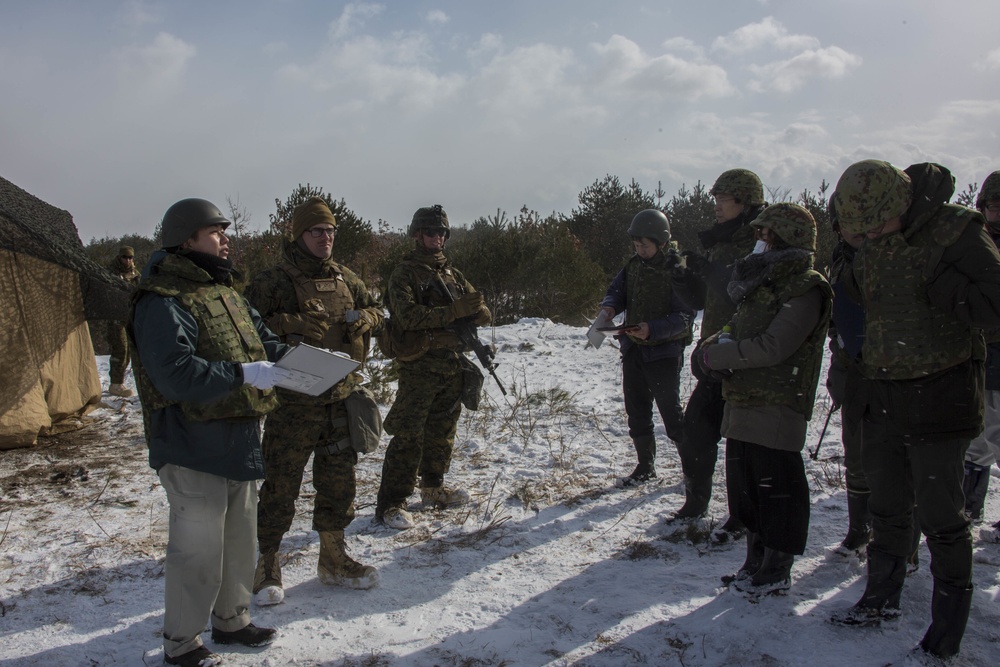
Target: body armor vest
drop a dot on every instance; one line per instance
(331, 298)
(429, 294)
(648, 287)
(791, 382)
(226, 332)
(907, 337)
(719, 308)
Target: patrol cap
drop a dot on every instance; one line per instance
(868, 194)
(792, 223)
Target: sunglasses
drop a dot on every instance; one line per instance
(319, 232)
(437, 231)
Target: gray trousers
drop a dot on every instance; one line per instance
(211, 555)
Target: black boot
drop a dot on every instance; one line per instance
(645, 450)
(697, 494)
(880, 602)
(731, 530)
(975, 485)
(859, 528)
(949, 614)
(773, 576)
(752, 563)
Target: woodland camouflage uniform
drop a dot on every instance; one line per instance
(117, 339)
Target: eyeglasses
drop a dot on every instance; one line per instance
(320, 232)
(993, 208)
(436, 231)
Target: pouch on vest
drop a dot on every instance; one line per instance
(472, 383)
(399, 343)
(364, 423)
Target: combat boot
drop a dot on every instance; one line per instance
(336, 568)
(774, 576)
(267, 588)
(396, 518)
(118, 389)
(443, 496)
(859, 527)
(975, 485)
(731, 530)
(949, 615)
(752, 563)
(645, 471)
(880, 601)
(697, 494)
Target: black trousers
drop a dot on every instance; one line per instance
(646, 382)
(702, 421)
(769, 493)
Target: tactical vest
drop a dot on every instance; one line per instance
(719, 308)
(648, 288)
(791, 382)
(427, 279)
(907, 337)
(226, 332)
(330, 297)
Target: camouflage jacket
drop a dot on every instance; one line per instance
(190, 336)
(273, 293)
(724, 243)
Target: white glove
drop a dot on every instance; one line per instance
(262, 374)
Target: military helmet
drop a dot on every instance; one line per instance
(430, 217)
(742, 184)
(990, 190)
(791, 222)
(126, 251)
(186, 217)
(868, 194)
(651, 224)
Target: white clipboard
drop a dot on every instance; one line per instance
(313, 370)
(595, 337)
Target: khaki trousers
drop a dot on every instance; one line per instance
(211, 555)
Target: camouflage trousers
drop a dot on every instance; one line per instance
(119, 352)
(291, 434)
(423, 421)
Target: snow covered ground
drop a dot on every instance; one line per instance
(551, 566)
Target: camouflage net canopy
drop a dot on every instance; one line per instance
(32, 227)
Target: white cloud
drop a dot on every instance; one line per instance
(436, 16)
(352, 17)
(787, 75)
(683, 45)
(625, 65)
(526, 78)
(991, 62)
(768, 32)
(137, 14)
(155, 70)
(487, 43)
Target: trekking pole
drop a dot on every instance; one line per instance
(814, 454)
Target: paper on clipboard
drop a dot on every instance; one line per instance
(312, 370)
(595, 337)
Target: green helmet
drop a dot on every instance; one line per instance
(186, 217)
(791, 222)
(430, 217)
(868, 194)
(651, 224)
(990, 190)
(742, 184)
(126, 251)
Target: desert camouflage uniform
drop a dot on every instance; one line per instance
(304, 425)
(116, 330)
(424, 416)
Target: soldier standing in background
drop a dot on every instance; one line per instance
(124, 267)
(739, 198)
(928, 276)
(310, 298)
(653, 290)
(433, 371)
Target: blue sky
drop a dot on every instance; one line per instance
(114, 110)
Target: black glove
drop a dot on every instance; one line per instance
(716, 375)
(695, 262)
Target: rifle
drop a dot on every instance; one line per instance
(466, 331)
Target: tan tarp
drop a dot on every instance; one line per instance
(47, 359)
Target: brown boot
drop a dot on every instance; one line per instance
(267, 588)
(336, 568)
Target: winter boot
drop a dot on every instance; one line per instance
(859, 528)
(645, 471)
(773, 576)
(336, 568)
(267, 588)
(754, 559)
(248, 635)
(975, 485)
(697, 494)
(443, 496)
(880, 601)
(730, 531)
(949, 614)
(396, 518)
(119, 389)
(199, 657)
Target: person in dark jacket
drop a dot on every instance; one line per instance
(653, 289)
(928, 276)
(769, 371)
(202, 358)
